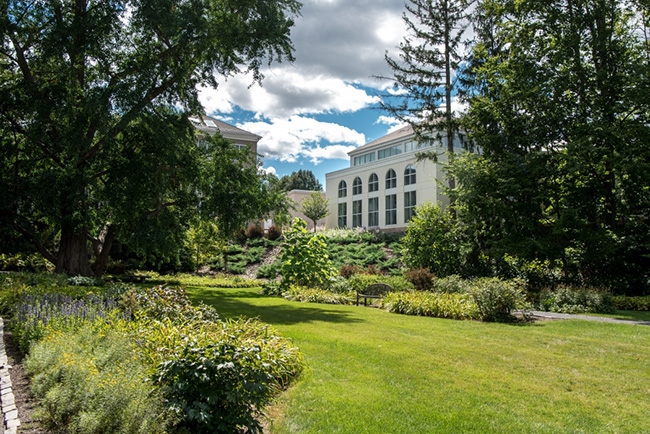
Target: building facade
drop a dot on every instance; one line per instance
(241, 139)
(385, 182)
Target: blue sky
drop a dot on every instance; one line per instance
(312, 112)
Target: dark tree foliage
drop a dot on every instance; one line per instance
(301, 180)
(560, 109)
(89, 148)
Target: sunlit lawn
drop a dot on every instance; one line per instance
(374, 372)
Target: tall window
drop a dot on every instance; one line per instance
(391, 179)
(373, 183)
(343, 189)
(373, 211)
(409, 175)
(357, 186)
(391, 209)
(357, 213)
(410, 201)
(343, 215)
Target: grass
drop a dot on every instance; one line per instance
(632, 315)
(370, 371)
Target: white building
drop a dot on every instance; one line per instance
(384, 183)
(241, 139)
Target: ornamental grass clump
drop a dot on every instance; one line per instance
(453, 306)
(315, 295)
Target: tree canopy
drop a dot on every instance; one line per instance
(301, 180)
(94, 100)
(315, 207)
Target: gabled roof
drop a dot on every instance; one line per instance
(211, 125)
(388, 138)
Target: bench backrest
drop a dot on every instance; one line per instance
(377, 289)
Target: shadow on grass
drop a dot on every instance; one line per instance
(233, 303)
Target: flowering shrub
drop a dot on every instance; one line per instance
(568, 299)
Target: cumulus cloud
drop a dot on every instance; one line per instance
(300, 137)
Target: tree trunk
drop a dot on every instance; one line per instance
(73, 258)
(103, 250)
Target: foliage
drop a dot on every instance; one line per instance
(242, 364)
(274, 232)
(301, 180)
(95, 140)
(567, 299)
(559, 108)
(497, 298)
(203, 239)
(213, 281)
(421, 278)
(269, 271)
(315, 295)
(429, 58)
(85, 281)
(33, 262)
(349, 270)
(441, 305)
(304, 257)
(622, 302)
(315, 207)
(92, 380)
(453, 284)
(433, 240)
(255, 232)
(358, 282)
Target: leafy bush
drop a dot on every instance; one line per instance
(304, 258)
(268, 271)
(421, 278)
(218, 378)
(568, 299)
(92, 381)
(255, 231)
(454, 306)
(314, 295)
(496, 298)
(85, 281)
(622, 302)
(274, 232)
(272, 288)
(433, 241)
(349, 270)
(453, 284)
(33, 262)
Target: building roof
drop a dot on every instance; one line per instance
(391, 137)
(211, 125)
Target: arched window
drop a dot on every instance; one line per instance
(373, 183)
(391, 179)
(357, 186)
(343, 189)
(409, 175)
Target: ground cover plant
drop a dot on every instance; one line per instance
(132, 359)
(370, 371)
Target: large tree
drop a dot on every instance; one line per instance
(424, 73)
(301, 180)
(561, 114)
(95, 141)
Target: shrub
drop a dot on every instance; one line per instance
(304, 258)
(255, 231)
(622, 302)
(454, 306)
(453, 284)
(274, 232)
(568, 299)
(314, 295)
(349, 270)
(218, 379)
(421, 278)
(272, 288)
(268, 271)
(496, 298)
(359, 282)
(92, 381)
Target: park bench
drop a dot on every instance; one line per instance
(376, 290)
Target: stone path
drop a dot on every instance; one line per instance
(555, 315)
(9, 410)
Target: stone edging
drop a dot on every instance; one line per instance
(9, 410)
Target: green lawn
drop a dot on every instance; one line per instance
(374, 372)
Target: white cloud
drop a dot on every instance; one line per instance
(300, 137)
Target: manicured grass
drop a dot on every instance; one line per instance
(374, 372)
(626, 314)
